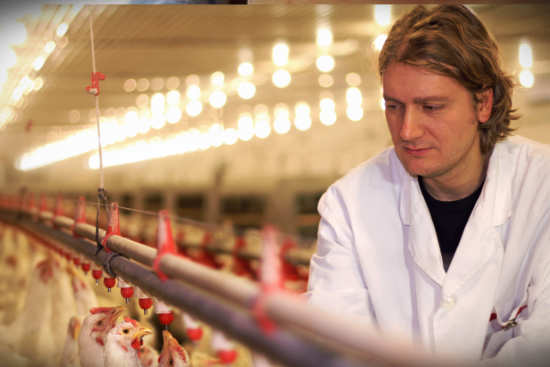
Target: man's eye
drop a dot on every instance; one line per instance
(432, 107)
(391, 106)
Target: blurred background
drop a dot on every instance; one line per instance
(238, 114)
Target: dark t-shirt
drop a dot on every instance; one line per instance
(449, 218)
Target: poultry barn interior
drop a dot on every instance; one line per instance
(221, 126)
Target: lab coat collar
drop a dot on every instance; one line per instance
(479, 239)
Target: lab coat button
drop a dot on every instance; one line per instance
(448, 302)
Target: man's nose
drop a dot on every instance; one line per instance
(411, 128)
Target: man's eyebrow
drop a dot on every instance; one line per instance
(391, 99)
(419, 100)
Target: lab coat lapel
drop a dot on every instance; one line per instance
(421, 239)
(480, 241)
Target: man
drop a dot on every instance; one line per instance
(444, 238)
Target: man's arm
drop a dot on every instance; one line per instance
(335, 281)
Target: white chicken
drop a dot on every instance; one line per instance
(123, 343)
(69, 356)
(172, 354)
(32, 328)
(95, 327)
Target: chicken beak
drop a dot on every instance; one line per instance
(142, 331)
(76, 330)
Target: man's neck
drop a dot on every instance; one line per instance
(459, 182)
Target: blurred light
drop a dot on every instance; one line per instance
(217, 79)
(217, 99)
(280, 54)
(62, 29)
(526, 78)
(157, 84)
(81, 142)
(17, 32)
(158, 121)
(327, 113)
(281, 78)
(382, 14)
(17, 94)
(37, 84)
(302, 117)
(157, 103)
(192, 79)
(382, 103)
(245, 69)
(193, 108)
(324, 37)
(327, 117)
(173, 114)
(142, 84)
(131, 117)
(353, 79)
(172, 82)
(281, 124)
(354, 113)
(379, 41)
(49, 47)
(193, 91)
(325, 80)
(74, 116)
(353, 96)
(129, 85)
(246, 90)
(215, 134)
(245, 127)
(325, 63)
(173, 98)
(230, 136)
(262, 129)
(26, 84)
(525, 55)
(142, 100)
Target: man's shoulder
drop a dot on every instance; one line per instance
(529, 152)
(372, 171)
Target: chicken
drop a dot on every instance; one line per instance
(148, 357)
(85, 298)
(69, 356)
(32, 330)
(93, 333)
(123, 343)
(172, 354)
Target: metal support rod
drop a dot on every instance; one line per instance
(281, 346)
(340, 333)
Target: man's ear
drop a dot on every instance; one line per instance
(484, 105)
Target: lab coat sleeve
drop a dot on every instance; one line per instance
(531, 344)
(335, 282)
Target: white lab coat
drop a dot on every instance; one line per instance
(378, 257)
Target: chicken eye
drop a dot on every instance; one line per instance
(126, 331)
(100, 322)
(171, 362)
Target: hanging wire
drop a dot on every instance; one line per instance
(99, 148)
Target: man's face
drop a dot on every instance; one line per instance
(432, 121)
